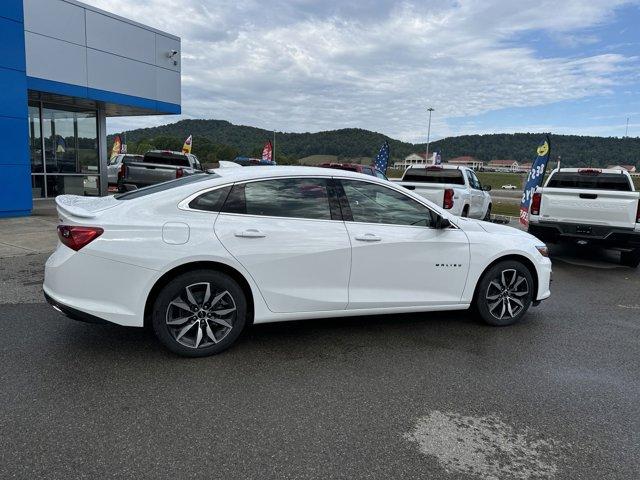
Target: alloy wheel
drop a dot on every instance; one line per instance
(506, 294)
(201, 315)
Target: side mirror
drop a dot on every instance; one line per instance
(486, 188)
(442, 223)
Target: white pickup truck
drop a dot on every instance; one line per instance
(589, 206)
(453, 188)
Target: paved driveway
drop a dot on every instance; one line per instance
(406, 396)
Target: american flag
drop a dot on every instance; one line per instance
(382, 159)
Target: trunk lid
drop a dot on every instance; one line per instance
(79, 207)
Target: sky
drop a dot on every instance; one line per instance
(485, 66)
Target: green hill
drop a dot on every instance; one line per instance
(221, 140)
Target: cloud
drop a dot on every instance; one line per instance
(302, 65)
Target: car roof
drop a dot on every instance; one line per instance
(601, 170)
(443, 166)
(256, 172)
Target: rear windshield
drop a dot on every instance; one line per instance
(166, 158)
(590, 181)
(161, 187)
(434, 176)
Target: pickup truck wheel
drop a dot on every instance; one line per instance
(630, 259)
(504, 293)
(487, 216)
(199, 313)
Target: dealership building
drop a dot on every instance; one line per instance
(67, 68)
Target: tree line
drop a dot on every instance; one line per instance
(215, 140)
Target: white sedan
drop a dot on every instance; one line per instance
(202, 257)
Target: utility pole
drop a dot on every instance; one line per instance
(273, 152)
(626, 132)
(430, 109)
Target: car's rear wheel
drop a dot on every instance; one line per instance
(504, 293)
(199, 313)
(631, 258)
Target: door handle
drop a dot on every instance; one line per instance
(409, 187)
(368, 237)
(250, 233)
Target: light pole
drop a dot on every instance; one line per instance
(430, 109)
(273, 147)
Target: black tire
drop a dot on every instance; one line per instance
(202, 316)
(630, 259)
(487, 216)
(465, 211)
(495, 304)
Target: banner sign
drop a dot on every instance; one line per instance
(186, 148)
(534, 179)
(382, 159)
(117, 147)
(267, 151)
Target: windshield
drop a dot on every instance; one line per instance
(590, 181)
(436, 175)
(161, 187)
(166, 158)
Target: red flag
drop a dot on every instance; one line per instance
(267, 151)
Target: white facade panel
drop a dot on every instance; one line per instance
(164, 47)
(168, 86)
(120, 38)
(55, 18)
(121, 75)
(55, 60)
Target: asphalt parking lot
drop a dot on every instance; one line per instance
(411, 396)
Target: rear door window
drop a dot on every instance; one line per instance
(310, 198)
(590, 181)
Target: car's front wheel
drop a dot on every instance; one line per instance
(505, 293)
(199, 313)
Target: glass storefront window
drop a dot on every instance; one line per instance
(71, 141)
(70, 163)
(35, 139)
(88, 185)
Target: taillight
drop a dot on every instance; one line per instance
(638, 213)
(78, 237)
(448, 198)
(122, 171)
(535, 203)
(179, 172)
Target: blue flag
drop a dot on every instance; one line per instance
(534, 179)
(382, 159)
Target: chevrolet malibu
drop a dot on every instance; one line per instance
(202, 257)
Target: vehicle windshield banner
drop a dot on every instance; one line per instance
(534, 179)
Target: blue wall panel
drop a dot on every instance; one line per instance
(15, 194)
(12, 34)
(12, 9)
(15, 168)
(13, 93)
(15, 143)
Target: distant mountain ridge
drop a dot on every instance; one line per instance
(355, 142)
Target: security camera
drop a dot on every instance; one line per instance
(172, 53)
